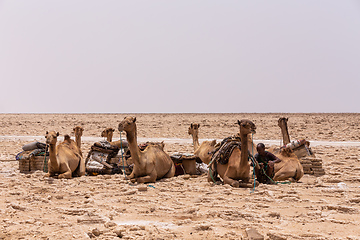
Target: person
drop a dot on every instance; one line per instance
(266, 162)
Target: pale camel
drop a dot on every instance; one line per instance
(236, 172)
(205, 150)
(108, 133)
(152, 163)
(64, 160)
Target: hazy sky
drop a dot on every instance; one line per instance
(179, 56)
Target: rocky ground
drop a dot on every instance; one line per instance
(184, 207)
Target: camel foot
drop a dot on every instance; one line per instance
(235, 184)
(246, 185)
(256, 182)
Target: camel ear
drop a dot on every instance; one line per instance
(113, 130)
(198, 125)
(134, 119)
(57, 134)
(191, 125)
(238, 122)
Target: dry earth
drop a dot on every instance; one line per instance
(184, 207)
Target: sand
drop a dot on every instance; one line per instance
(183, 207)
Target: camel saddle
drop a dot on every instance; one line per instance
(223, 152)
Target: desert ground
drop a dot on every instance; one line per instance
(184, 207)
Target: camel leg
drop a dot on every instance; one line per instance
(149, 178)
(67, 174)
(171, 172)
(49, 174)
(228, 180)
(80, 170)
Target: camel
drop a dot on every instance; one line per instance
(64, 159)
(108, 133)
(236, 172)
(282, 123)
(301, 151)
(78, 131)
(152, 163)
(290, 167)
(205, 150)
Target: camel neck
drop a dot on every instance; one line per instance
(244, 149)
(78, 141)
(131, 137)
(109, 138)
(195, 141)
(285, 133)
(52, 156)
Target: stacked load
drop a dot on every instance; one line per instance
(180, 158)
(310, 163)
(33, 158)
(100, 159)
(312, 166)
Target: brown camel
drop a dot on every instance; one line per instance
(150, 164)
(64, 159)
(108, 133)
(282, 123)
(205, 150)
(78, 131)
(236, 171)
(290, 167)
(303, 147)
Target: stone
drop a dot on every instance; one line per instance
(253, 234)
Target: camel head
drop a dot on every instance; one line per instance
(107, 132)
(128, 124)
(282, 121)
(246, 127)
(51, 137)
(78, 131)
(194, 127)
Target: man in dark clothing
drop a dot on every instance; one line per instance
(266, 162)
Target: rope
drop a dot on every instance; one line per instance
(45, 158)
(275, 182)
(211, 175)
(122, 155)
(253, 161)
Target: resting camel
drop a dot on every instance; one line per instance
(78, 131)
(302, 151)
(236, 171)
(152, 163)
(290, 167)
(108, 133)
(64, 159)
(205, 150)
